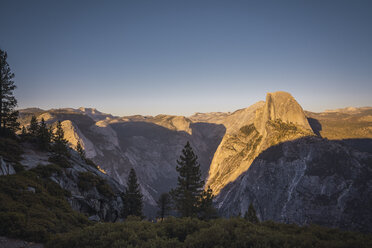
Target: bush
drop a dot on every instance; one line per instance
(47, 171)
(194, 233)
(33, 207)
(247, 130)
(10, 149)
(88, 181)
(60, 160)
(91, 163)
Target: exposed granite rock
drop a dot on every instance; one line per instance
(280, 119)
(280, 105)
(6, 168)
(106, 206)
(308, 180)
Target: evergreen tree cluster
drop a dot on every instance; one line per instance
(188, 199)
(43, 135)
(38, 133)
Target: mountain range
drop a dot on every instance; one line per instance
(295, 166)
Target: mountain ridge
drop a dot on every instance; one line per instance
(226, 143)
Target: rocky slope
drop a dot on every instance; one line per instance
(91, 192)
(308, 180)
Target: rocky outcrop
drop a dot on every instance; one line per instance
(308, 180)
(256, 128)
(89, 190)
(280, 106)
(6, 168)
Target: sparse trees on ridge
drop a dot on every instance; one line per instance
(60, 143)
(80, 150)
(34, 127)
(43, 135)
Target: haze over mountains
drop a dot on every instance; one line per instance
(272, 153)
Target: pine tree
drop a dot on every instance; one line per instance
(80, 150)
(189, 186)
(132, 197)
(8, 116)
(251, 215)
(60, 143)
(43, 135)
(164, 205)
(206, 208)
(24, 131)
(34, 127)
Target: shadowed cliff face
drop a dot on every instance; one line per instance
(308, 180)
(280, 119)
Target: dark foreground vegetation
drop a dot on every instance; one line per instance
(192, 232)
(33, 207)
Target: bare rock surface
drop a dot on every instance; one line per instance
(6, 168)
(105, 204)
(277, 120)
(308, 180)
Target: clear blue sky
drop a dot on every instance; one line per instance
(181, 57)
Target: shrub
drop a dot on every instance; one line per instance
(60, 160)
(91, 163)
(47, 171)
(33, 207)
(10, 149)
(248, 129)
(193, 233)
(88, 181)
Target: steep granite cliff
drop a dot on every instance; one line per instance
(308, 180)
(279, 119)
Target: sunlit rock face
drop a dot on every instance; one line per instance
(308, 180)
(347, 123)
(280, 106)
(278, 119)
